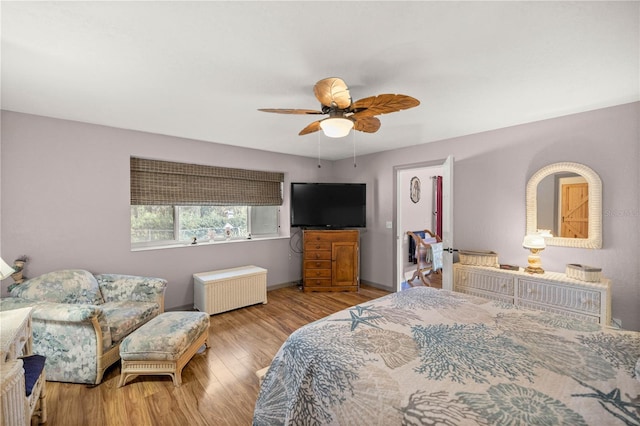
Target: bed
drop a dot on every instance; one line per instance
(425, 356)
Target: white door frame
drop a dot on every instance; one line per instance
(447, 219)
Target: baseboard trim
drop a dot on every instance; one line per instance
(283, 285)
(378, 286)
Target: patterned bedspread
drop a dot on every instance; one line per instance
(425, 357)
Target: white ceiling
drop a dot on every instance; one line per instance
(201, 70)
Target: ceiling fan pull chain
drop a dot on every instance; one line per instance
(353, 138)
(319, 166)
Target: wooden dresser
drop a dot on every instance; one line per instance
(331, 260)
(551, 291)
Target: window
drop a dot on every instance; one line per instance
(152, 224)
(159, 225)
(177, 202)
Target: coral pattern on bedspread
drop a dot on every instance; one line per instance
(425, 356)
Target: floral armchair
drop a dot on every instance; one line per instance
(79, 319)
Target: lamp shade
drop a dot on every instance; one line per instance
(533, 242)
(336, 127)
(5, 270)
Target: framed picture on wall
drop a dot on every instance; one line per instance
(414, 190)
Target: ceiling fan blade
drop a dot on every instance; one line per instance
(383, 104)
(333, 92)
(290, 111)
(313, 127)
(366, 124)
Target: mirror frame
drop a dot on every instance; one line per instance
(594, 240)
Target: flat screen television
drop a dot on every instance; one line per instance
(328, 205)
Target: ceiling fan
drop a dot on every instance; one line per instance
(344, 114)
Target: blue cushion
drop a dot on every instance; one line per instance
(33, 366)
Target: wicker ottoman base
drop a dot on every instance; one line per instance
(147, 351)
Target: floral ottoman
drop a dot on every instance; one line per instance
(164, 345)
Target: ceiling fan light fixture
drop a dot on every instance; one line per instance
(336, 127)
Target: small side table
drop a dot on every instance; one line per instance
(15, 334)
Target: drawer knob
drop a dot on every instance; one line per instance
(318, 263)
(529, 291)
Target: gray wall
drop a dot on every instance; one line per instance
(490, 175)
(65, 198)
(65, 203)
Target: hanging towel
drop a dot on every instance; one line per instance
(436, 253)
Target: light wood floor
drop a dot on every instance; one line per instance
(219, 386)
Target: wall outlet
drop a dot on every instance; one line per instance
(389, 224)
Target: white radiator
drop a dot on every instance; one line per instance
(227, 289)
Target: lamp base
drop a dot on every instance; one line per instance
(18, 278)
(535, 264)
(534, 270)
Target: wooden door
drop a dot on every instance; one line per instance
(344, 264)
(575, 210)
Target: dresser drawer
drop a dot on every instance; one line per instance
(317, 245)
(330, 236)
(317, 282)
(317, 264)
(317, 255)
(562, 296)
(317, 273)
(487, 283)
(485, 294)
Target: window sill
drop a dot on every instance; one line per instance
(206, 243)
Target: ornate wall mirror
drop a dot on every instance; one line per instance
(566, 198)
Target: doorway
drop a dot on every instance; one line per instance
(414, 213)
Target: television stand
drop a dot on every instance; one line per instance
(331, 260)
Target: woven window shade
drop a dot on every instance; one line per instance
(155, 182)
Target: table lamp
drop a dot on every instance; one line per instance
(536, 244)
